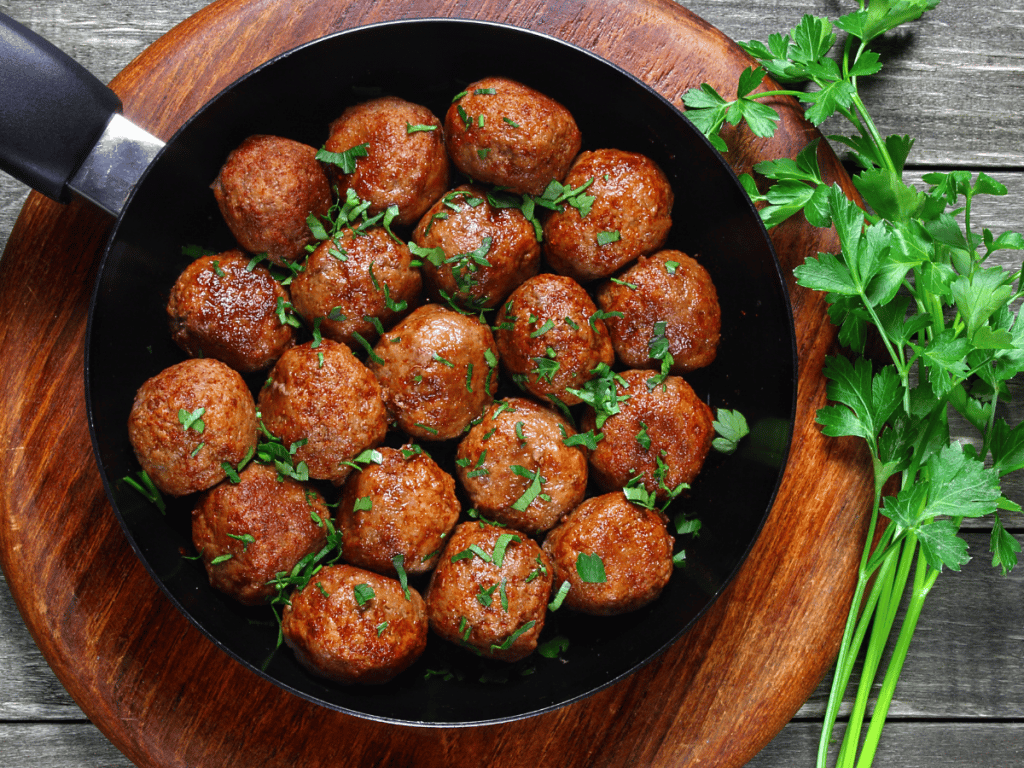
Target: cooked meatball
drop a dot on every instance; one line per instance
(353, 279)
(493, 604)
(404, 505)
(632, 544)
(517, 469)
(437, 371)
(248, 532)
(551, 337)
(220, 307)
(187, 421)
(324, 402)
(505, 133)
(666, 295)
(662, 433)
(630, 215)
(405, 162)
(355, 626)
(485, 251)
(266, 190)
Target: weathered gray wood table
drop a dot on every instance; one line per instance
(955, 81)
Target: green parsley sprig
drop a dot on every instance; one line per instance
(912, 268)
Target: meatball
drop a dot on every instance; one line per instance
(220, 307)
(266, 190)
(248, 532)
(437, 371)
(355, 626)
(551, 337)
(404, 505)
(505, 133)
(405, 162)
(517, 469)
(490, 591)
(480, 252)
(630, 215)
(190, 419)
(354, 280)
(662, 433)
(666, 295)
(324, 403)
(631, 543)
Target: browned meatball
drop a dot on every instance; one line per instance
(490, 591)
(187, 421)
(324, 402)
(220, 307)
(551, 337)
(484, 251)
(353, 278)
(517, 469)
(667, 295)
(505, 133)
(630, 215)
(266, 190)
(662, 433)
(404, 505)
(629, 543)
(405, 162)
(355, 626)
(249, 532)
(437, 371)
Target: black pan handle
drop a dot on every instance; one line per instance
(52, 111)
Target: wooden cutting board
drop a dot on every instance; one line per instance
(166, 696)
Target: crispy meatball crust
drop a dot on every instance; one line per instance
(632, 197)
(266, 189)
(505, 133)
(505, 622)
(635, 548)
(550, 338)
(324, 396)
(335, 636)
(183, 453)
(355, 277)
(405, 505)
(488, 251)
(404, 167)
(220, 308)
(437, 371)
(499, 458)
(669, 287)
(248, 532)
(678, 423)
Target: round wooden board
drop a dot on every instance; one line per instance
(166, 696)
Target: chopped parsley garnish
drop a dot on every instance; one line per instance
(409, 129)
(587, 439)
(590, 568)
(642, 438)
(363, 504)
(731, 427)
(600, 393)
(245, 538)
(145, 486)
(559, 598)
(346, 160)
(192, 420)
(498, 556)
(602, 315)
(513, 637)
(547, 326)
(611, 236)
(403, 578)
(551, 649)
(671, 267)
(533, 491)
(623, 283)
(363, 593)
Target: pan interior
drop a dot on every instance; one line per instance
(428, 62)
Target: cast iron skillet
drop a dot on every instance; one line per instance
(429, 61)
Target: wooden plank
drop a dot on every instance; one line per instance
(910, 745)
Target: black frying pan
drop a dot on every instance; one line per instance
(297, 95)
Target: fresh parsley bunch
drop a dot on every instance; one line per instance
(912, 270)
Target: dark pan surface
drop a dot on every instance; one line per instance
(428, 62)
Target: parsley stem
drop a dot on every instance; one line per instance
(924, 579)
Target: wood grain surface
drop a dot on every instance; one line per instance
(159, 691)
